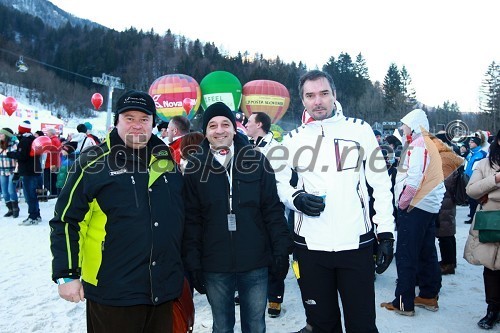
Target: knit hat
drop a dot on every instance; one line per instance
(81, 128)
(88, 125)
(7, 131)
(217, 109)
(476, 140)
(134, 100)
(24, 127)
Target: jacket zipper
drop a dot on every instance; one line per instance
(135, 192)
(360, 196)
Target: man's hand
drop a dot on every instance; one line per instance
(72, 291)
(309, 204)
(385, 251)
(279, 267)
(198, 281)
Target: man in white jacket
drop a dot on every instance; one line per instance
(335, 157)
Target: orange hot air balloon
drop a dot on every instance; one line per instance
(9, 104)
(266, 96)
(97, 100)
(175, 95)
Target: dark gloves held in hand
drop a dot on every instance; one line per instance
(279, 267)
(385, 251)
(198, 282)
(11, 154)
(16, 177)
(309, 204)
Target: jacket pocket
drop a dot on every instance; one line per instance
(249, 190)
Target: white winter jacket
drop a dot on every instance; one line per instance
(338, 156)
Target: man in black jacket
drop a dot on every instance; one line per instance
(30, 169)
(118, 226)
(235, 225)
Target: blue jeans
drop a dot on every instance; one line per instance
(30, 184)
(252, 289)
(8, 188)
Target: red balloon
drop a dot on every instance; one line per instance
(97, 100)
(41, 145)
(187, 104)
(9, 105)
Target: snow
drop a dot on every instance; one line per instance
(29, 301)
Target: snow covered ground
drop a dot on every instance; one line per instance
(29, 301)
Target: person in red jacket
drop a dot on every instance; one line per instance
(178, 126)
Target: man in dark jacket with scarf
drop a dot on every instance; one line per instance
(30, 169)
(235, 224)
(118, 227)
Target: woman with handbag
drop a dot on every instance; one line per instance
(484, 186)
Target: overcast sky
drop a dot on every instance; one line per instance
(445, 45)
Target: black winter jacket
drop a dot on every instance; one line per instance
(261, 230)
(118, 224)
(27, 165)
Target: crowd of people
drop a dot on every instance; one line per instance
(230, 209)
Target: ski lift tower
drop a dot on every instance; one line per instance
(111, 82)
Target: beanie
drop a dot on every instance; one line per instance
(88, 125)
(7, 131)
(24, 127)
(217, 109)
(476, 140)
(134, 100)
(81, 128)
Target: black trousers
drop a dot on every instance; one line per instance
(129, 319)
(492, 289)
(326, 275)
(448, 249)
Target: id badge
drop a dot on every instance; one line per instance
(231, 222)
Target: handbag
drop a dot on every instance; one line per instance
(183, 311)
(487, 222)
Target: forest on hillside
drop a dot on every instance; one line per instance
(63, 61)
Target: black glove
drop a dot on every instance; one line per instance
(309, 204)
(16, 177)
(198, 282)
(385, 251)
(279, 267)
(11, 154)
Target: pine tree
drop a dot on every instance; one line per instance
(491, 91)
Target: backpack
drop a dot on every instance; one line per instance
(183, 311)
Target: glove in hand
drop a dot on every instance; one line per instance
(16, 177)
(309, 204)
(279, 267)
(385, 252)
(406, 197)
(198, 282)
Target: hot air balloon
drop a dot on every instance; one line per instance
(97, 100)
(9, 105)
(266, 96)
(175, 95)
(221, 86)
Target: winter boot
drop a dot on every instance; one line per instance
(15, 209)
(9, 207)
(488, 321)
